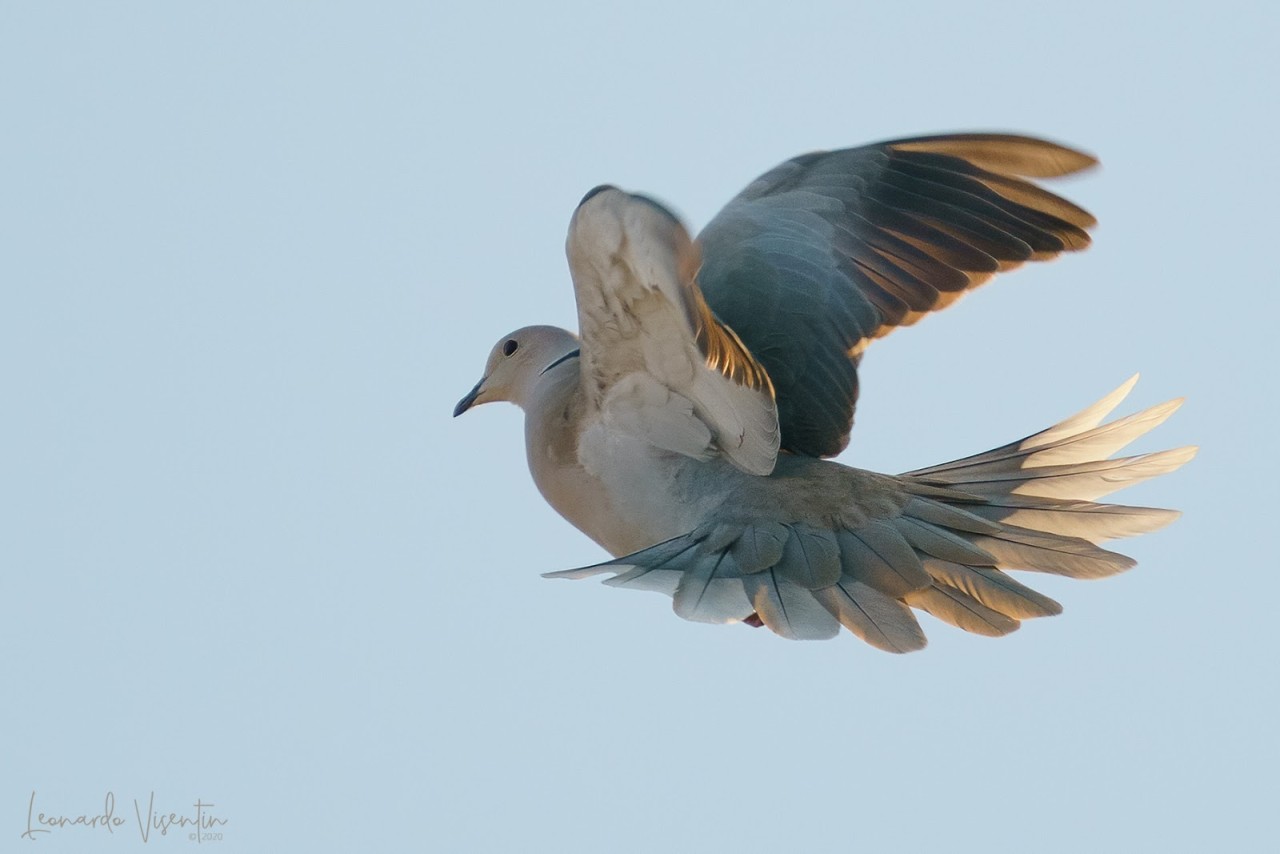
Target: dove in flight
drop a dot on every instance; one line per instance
(687, 427)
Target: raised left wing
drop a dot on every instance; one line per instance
(656, 363)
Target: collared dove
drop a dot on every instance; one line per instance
(685, 428)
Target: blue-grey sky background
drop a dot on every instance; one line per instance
(252, 254)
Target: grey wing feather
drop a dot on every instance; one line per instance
(831, 250)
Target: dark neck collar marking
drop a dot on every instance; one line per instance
(573, 354)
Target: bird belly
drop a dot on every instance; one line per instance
(618, 490)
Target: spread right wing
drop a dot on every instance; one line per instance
(831, 250)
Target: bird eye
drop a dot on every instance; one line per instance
(509, 346)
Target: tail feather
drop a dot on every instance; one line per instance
(962, 611)
(788, 609)
(811, 557)
(1084, 519)
(1078, 439)
(710, 591)
(1082, 422)
(1089, 417)
(880, 620)
(1072, 482)
(1024, 548)
(948, 516)
(942, 542)
(993, 588)
(1087, 446)
(942, 545)
(878, 556)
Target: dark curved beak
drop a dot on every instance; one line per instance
(466, 402)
